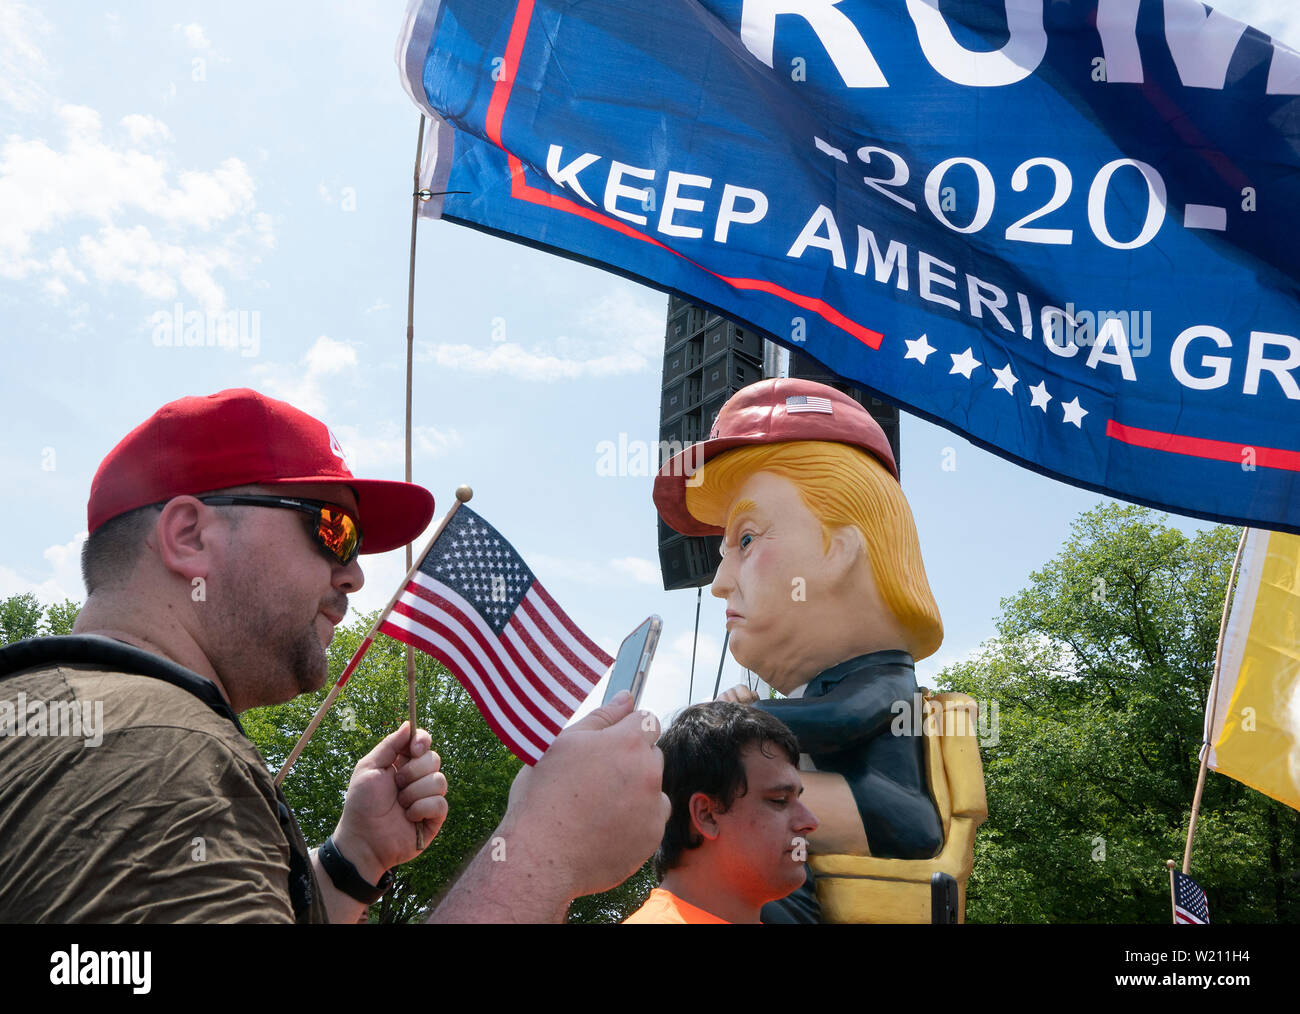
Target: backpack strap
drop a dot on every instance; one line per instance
(106, 653)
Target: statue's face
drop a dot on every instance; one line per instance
(772, 576)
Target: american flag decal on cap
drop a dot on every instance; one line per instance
(804, 403)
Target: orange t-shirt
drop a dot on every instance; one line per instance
(663, 906)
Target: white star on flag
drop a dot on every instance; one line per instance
(964, 363)
(1006, 379)
(918, 349)
(1040, 395)
(1074, 412)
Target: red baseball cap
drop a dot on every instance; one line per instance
(768, 412)
(241, 438)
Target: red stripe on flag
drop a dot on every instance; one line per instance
(823, 309)
(557, 644)
(530, 667)
(1200, 447)
(502, 673)
(520, 190)
(415, 640)
(545, 658)
(540, 741)
(501, 644)
(493, 646)
(501, 91)
(605, 660)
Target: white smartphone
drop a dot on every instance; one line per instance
(633, 661)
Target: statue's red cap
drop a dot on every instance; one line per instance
(769, 412)
(240, 438)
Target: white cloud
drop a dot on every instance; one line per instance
(388, 447)
(62, 582)
(45, 192)
(640, 570)
(303, 385)
(144, 128)
(23, 67)
(330, 356)
(535, 364)
(630, 331)
(133, 256)
(630, 318)
(300, 384)
(196, 36)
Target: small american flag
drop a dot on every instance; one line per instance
(474, 605)
(808, 403)
(1190, 905)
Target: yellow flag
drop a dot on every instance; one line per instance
(1253, 718)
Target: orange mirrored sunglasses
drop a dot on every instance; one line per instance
(335, 530)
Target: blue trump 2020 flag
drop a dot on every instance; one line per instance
(1063, 228)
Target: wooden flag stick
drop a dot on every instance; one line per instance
(410, 342)
(1173, 904)
(463, 495)
(1210, 706)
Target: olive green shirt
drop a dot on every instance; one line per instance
(171, 816)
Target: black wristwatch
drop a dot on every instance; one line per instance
(346, 878)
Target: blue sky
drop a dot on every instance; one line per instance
(257, 158)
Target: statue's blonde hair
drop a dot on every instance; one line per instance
(841, 485)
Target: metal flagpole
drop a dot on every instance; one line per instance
(1209, 717)
(410, 344)
(718, 682)
(699, 594)
(463, 495)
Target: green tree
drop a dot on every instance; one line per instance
(60, 617)
(1100, 673)
(20, 617)
(23, 616)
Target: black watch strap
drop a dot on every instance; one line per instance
(346, 878)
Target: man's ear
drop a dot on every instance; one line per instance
(183, 537)
(847, 550)
(703, 810)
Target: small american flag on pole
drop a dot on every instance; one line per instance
(474, 605)
(1190, 905)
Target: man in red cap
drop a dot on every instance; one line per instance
(224, 535)
(827, 601)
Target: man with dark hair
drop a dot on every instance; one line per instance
(224, 540)
(737, 835)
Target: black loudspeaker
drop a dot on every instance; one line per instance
(883, 412)
(707, 359)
